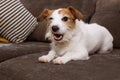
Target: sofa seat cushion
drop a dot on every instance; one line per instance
(99, 67)
(8, 51)
(108, 14)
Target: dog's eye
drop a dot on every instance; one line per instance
(50, 18)
(65, 18)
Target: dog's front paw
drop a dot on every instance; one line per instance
(60, 60)
(44, 59)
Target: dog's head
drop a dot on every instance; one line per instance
(60, 22)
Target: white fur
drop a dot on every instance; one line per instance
(78, 43)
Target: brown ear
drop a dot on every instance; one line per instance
(44, 14)
(78, 15)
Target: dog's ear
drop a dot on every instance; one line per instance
(78, 15)
(43, 15)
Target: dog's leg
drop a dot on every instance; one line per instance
(106, 48)
(47, 58)
(76, 55)
(48, 36)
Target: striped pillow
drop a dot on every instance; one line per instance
(16, 23)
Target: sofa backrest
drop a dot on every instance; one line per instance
(87, 7)
(103, 12)
(107, 14)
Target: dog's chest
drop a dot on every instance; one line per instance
(61, 48)
(65, 47)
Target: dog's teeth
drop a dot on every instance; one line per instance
(57, 38)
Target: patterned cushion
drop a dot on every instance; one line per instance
(16, 23)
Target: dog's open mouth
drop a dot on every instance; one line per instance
(58, 37)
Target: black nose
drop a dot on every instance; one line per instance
(55, 28)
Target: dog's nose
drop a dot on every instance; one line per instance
(55, 28)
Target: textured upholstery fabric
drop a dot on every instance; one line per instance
(108, 14)
(99, 67)
(87, 7)
(8, 51)
(39, 33)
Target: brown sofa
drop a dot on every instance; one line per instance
(20, 61)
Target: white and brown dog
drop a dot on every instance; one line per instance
(72, 39)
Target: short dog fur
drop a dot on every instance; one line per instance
(73, 39)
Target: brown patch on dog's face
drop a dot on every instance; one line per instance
(68, 17)
(70, 14)
(44, 15)
(77, 15)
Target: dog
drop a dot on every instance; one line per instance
(71, 38)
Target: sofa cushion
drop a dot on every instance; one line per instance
(87, 7)
(8, 51)
(98, 67)
(16, 22)
(108, 14)
(39, 33)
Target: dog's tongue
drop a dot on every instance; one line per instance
(58, 37)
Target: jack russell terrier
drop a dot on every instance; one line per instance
(72, 39)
